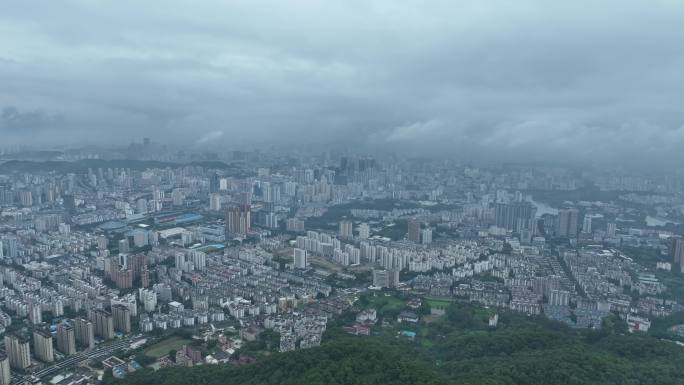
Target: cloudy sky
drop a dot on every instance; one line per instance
(516, 80)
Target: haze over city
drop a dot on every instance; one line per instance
(523, 80)
(341, 192)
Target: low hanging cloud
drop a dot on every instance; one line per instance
(413, 131)
(28, 122)
(213, 135)
(501, 80)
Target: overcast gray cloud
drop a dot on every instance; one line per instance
(516, 80)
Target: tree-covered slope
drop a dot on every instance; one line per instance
(458, 348)
(345, 361)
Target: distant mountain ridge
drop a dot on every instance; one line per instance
(84, 164)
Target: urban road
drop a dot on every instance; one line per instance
(97, 354)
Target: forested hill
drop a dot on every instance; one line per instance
(456, 349)
(346, 361)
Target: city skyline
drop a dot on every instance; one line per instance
(341, 192)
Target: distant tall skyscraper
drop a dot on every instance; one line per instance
(85, 333)
(124, 245)
(42, 345)
(300, 259)
(516, 216)
(346, 229)
(178, 197)
(35, 313)
(294, 224)
(18, 352)
(157, 194)
(238, 219)
(214, 183)
(611, 229)
(5, 376)
(586, 224)
(122, 277)
(677, 252)
(566, 224)
(145, 277)
(215, 201)
(426, 236)
(364, 231)
(136, 263)
(290, 188)
(122, 318)
(69, 203)
(26, 197)
(66, 338)
(246, 189)
(10, 244)
(266, 192)
(103, 324)
(414, 230)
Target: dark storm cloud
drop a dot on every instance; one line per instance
(514, 80)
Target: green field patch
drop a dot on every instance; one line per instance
(386, 304)
(438, 303)
(162, 348)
